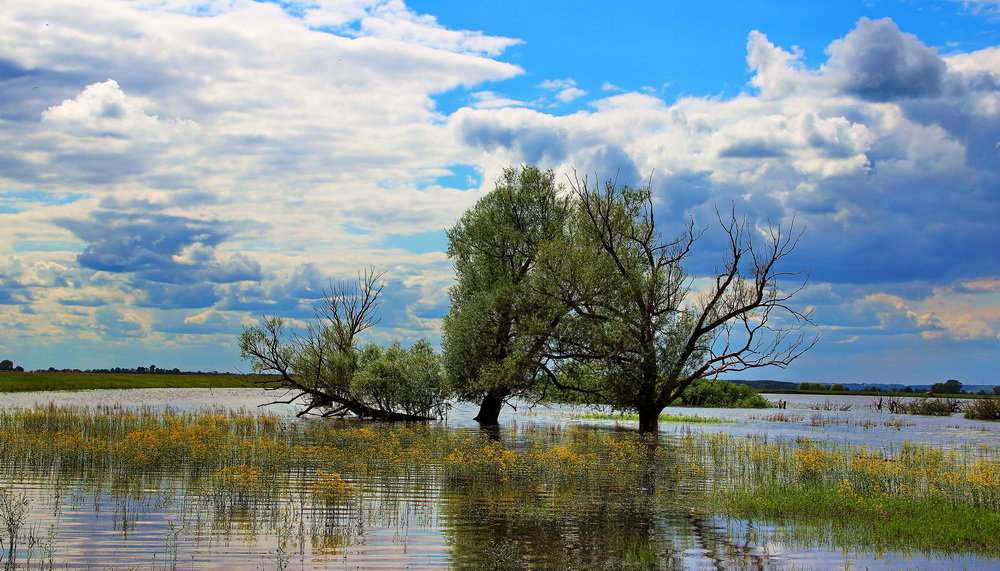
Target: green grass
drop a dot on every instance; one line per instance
(59, 381)
(879, 521)
(906, 497)
(631, 416)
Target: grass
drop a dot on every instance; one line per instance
(540, 489)
(59, 381)
(631, 416)
(883, 522)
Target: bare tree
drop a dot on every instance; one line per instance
(638, 337)
(323, 367)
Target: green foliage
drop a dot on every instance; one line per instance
(927, 407)
(949, 387)
(409, 379)
(815, 387)
(498, 315)
(327, 365)
(722, 394)
(837, 387)
(6, 365)
(582, 293)
(983, 409)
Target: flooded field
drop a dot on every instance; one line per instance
(198, 478)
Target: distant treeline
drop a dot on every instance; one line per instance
(951, 387)
(150, 370)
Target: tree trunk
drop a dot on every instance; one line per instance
(649, 419)
(489, 410)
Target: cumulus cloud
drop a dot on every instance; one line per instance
(877, 158)
(189, 163)
(158, 247)
(878, 62)
(101, 109)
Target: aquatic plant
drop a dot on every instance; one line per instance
(240, 471)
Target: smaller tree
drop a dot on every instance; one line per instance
(837, 387)
(6, 365)
(325, 367)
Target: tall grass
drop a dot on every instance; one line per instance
(241, 464)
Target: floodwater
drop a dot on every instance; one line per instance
(160, 520)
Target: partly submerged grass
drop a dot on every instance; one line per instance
(879, 522)
(907, 497)
(627, 416)
(60, 381)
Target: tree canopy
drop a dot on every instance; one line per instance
(594, 302)
(499, 318)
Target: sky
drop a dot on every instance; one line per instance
(172, 170)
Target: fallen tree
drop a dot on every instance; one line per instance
(325, 368)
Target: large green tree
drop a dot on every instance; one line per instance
(636, 335)
(499, 318)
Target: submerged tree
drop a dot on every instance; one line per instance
(636, 335)
(499, 321)
(326, 368)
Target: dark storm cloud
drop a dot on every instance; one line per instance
(159, 248)
(176, 296)
(878, 62)
(538, 144)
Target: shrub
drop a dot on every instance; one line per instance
(723, 394)
(925, 406)
(984, 409)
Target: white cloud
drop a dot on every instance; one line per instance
(566, 89)
(188, 164)
(570, 94)
(491, 100)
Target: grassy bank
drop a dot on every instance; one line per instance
(59, 381)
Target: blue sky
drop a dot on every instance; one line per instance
(171, 170)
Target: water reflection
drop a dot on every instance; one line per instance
(333, 495)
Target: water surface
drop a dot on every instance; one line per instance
(410, 518)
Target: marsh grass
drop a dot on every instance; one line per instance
(634, 417)
(554, 484)
(884, 497)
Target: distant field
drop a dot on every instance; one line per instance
(58, 381)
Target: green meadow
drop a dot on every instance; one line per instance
(64, 381)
